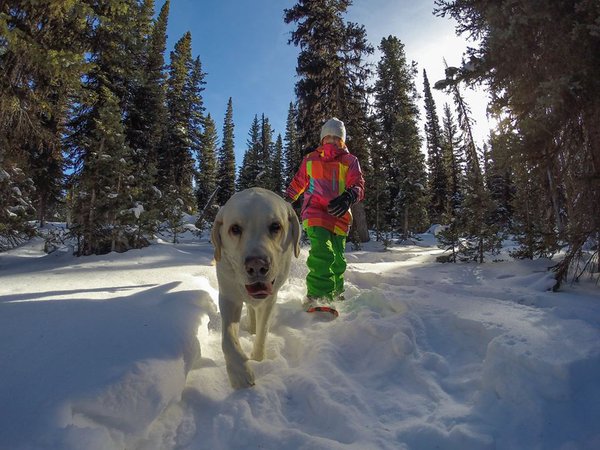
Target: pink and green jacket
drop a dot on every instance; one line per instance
(323, 175)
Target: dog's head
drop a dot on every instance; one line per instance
(255, 233)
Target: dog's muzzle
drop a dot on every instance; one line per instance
(260, 290)
(257, 268)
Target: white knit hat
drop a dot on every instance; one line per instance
(334, 127)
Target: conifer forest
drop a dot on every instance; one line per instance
(103, 127)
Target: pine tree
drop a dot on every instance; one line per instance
(226, 158)
(251, 166)
(381, 191)
(530, 220)
(482, 232)
(265, 156)
(182, 138)
(356, 113)
(438, 181)
(16, 192)
(102, 171)
(207, 173)
(277, 167)
(141, 23)
(476, 222)
(453, 163)
(531, 228)
(176, 165)
(332, 80)
(320, 34)
(292, 153)
(540, 65)
(146, 118)
(399, 155)
(41, 60)
(102, 185)
(147, 114)
(194, 89)
(498, 180)
(449, 239)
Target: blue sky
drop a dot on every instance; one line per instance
(243, 46)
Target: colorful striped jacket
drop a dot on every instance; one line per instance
(323, 175)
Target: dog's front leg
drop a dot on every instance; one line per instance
(251, 319)
(236, 361)
(263, 314)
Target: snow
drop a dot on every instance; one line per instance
(123, 351)
(137, 210)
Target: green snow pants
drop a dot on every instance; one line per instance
(326, 263)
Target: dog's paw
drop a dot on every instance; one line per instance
(258, 354)
(241, 377)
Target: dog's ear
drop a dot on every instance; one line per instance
(294, 229)
(215, 235)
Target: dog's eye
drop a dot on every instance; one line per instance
(236, 230)
(275, 227)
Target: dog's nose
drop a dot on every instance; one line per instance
(257, 265)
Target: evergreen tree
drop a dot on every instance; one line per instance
(532, 225)
(438, 181)
(540, 64)
(183, 136)
(176, 165)
(277, 167)
(41, 59)
(530, 220)
(332, 79)
(453, 163)
(320, 34)
(381, 191)
(265, 156)
(356, 91)
(476, 222)
(147, 116)
(207, 173)
(141, 22)
(102, 185)
(226, 158)
(399, 155)
(15, 191)
(356, 113)
(194, 89)
(498, 180)
(251, 166)
(292, 152)
(449, 239)
(101, 157)
(46, 167)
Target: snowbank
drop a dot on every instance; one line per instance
(92, 364)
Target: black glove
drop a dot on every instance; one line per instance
(340, 205)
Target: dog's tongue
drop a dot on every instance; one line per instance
(259, 290)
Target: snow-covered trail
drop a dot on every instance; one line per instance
(423, 355)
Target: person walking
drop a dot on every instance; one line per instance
(331, 181)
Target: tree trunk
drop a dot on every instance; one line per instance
(553, 193)
(42, 210)
(89, 244)
(359, 223)
(405, 225)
